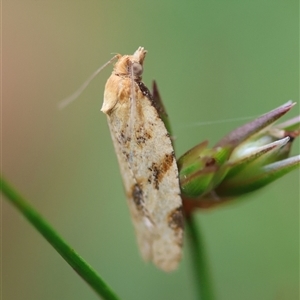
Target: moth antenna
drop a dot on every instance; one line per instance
(218, 121)
(65, 102)
(132, 106)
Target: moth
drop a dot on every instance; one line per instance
(146, 160)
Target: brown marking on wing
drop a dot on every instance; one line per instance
(160, 169)
(175, 219)
(142, 135)
(122, 138)
(137, 196)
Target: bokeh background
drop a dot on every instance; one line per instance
(213, 60)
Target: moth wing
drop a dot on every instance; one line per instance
(139, 219)
(150, 176)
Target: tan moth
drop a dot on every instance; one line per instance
(147, 162)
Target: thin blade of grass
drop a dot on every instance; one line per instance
(81, 267)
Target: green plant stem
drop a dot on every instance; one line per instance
(85, 271)
(199, 260)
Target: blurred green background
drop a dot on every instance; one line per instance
(213, 60)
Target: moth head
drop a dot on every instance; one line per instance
(136, 69)
(135, 66)
(131, 65)
(128, 66)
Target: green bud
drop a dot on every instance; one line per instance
(245, 160)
